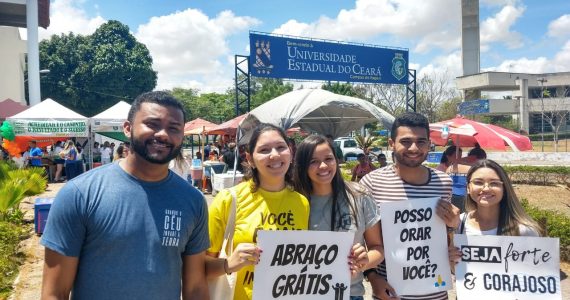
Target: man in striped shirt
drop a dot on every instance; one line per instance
(406, 179)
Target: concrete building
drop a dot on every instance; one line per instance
(526, 102)
(17, 55)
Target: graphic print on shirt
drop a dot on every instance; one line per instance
(171, 229)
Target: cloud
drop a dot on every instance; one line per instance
(560, 27)
(188, 44)
(559, 63)
(410, 19)
(449, 64)
(68, 16)
(498, 28)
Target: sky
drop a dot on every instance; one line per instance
(193, 42)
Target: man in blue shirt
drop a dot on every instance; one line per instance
(35, 154)
(131, 229)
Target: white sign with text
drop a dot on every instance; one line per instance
(507, 267)
(415, 245)
(303, 265)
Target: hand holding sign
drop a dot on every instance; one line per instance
(244, 254)
(358, 259)
(448, 212)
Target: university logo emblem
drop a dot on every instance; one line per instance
(398, 66)
(262, 62)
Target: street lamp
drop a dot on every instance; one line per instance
(542, 81)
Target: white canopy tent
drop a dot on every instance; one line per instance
(319, 111)
(110, 122)
(49, 119)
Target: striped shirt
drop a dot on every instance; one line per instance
(386, 185)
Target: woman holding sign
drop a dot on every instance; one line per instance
(492, 207)
(266, 201)
(337, 205)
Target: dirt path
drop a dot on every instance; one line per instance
(28, 283)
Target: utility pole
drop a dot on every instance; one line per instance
(542, 81)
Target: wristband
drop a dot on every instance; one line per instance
(226, 267)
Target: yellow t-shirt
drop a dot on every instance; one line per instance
(283, 210)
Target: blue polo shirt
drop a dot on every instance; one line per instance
(36, 162)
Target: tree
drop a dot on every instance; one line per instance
(557, 113)
(90, 73)
(432, 91)
(265, 89)
(389, 97)
(346, 89)
(448, 109)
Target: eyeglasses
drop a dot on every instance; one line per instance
(480, 184)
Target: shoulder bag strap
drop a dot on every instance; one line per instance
(462, 224)
(230, 226)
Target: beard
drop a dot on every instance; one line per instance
(407, 162)
(140, 147)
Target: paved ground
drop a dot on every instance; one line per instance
(28, 283)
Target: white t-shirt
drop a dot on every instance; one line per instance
(106, 153)
(470, 230)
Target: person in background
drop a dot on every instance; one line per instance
(132, 229)
(112, 147)
(409, 178)
(69, 154)
(382, 160)
(474, 155)
(180, 166)
(207, 150)
(450, 156)
(337, 205)
(59, 162)
(268, 189)
(122, 152)
(96, 152)
(492, 207)
(363, 167)
(35, 155)
(229, 157)
(106, 153)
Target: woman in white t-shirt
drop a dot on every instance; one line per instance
(492, 207)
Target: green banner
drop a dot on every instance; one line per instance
(76, 128)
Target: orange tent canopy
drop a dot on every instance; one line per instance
(228, 127)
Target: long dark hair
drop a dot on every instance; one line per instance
(303, 183)
(253, 173)
(511, 212)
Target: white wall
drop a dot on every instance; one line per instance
(12, 53)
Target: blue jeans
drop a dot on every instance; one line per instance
(356, 298)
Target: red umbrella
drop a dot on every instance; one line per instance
(488, 136)
(228, 127)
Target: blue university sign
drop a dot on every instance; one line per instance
(295, 58)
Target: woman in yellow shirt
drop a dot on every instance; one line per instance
(266, 195)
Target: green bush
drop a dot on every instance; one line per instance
(10, 236)
(16, 184)
(540, 175)
(557, 225)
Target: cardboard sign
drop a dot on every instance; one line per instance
(415, 245)
(303, 265)
(507, 267)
